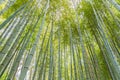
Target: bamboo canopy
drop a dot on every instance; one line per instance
(59, 39)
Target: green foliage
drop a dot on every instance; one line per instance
(60, 40)
(14, 7)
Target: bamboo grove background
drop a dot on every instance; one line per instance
(59, 39)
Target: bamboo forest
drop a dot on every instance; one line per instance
(59, 39)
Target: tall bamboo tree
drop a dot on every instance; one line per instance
(59, 40)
